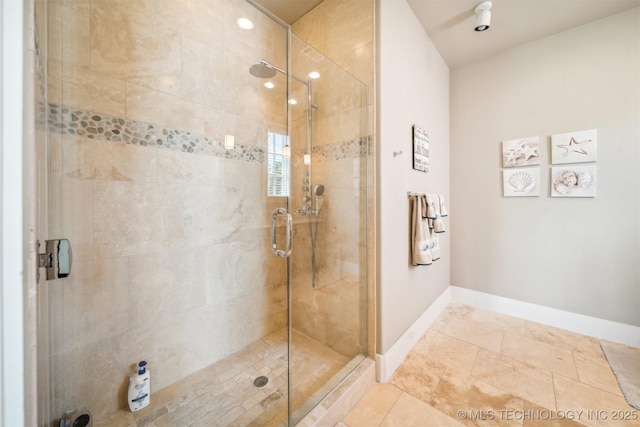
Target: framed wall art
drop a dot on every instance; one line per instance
(523, 182)
(521, 152)
(420, 149)
(574, 147)
(573, 181)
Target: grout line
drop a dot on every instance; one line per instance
(395, 402)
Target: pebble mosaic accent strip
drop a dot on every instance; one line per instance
(355, 148)
(91, 125)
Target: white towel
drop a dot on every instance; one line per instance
(438, 225)
(431, 206)
(420, 235)
(435, 247)
(443, 209)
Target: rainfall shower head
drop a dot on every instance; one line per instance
(318, 190)
(262, 71)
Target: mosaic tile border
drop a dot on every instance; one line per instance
(105, 127)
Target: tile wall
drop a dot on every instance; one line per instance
(342, 31)
(171, 260)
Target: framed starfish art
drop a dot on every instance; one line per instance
(520, 152)
(574, 147)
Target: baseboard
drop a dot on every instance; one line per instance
(387, 363)
(574, 322)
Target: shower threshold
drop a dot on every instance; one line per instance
(224, 393)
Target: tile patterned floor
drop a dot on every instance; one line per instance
(474, 367)
(224, 395)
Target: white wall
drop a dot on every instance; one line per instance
(11, 255)
(578, 255)
(413, 88)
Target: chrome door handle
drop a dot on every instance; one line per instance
(274, 245)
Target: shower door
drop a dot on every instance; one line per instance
(214, 194)
(328, 126)
(165, 169)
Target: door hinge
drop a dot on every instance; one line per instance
(56, 258)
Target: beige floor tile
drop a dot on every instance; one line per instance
(417, 375)
(503, 322)
(564, 339)
(536, 416)
(599, 407)
(540, 354)
(411, 412)
(451, 352)
(474, 332)
(120, 418)
(597, 373)
(533, 384)
(374, 406)
(453, 310)
(473, 402)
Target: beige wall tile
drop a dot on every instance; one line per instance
(126, 43)
(87, 89)
(69, 31)
(134, 219)
(85, 158)
(194, 18)
(101, 393)
(151, 106)
(96, 300)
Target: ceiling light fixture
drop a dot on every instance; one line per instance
(483, 16)
(314, 75)
(245, 23)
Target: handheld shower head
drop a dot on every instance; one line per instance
(318, 192)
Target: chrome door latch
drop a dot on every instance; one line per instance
(56, 259)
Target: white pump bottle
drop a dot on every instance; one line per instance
(139, 394)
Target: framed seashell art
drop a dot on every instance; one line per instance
(573, 181)
(524, 182)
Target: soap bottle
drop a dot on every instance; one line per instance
(139, 394)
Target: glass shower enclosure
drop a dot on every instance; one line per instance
(209, 169)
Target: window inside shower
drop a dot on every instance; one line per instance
(278, 167)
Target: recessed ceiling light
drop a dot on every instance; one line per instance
(269, 85)
(314, 75)
(245, 23)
